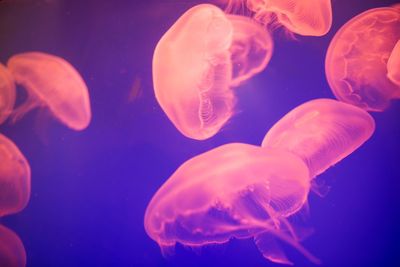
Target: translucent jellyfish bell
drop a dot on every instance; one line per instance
(356, 62)
(7, 93)
(198, 60)
(53, 83)
(12, 251)
(393, 65)
(321, 132)
(233, 191)
(15, 178)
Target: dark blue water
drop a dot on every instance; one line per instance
(90, 189)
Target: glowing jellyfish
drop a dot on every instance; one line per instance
(393, 65)
(304, 17)
(357, 58)
(52, 82)
(15, 178)
(197, 61)
(321, 132)
(7, 93)
(232, 191)
(12, 251)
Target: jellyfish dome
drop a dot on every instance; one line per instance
(7, 93)
(233, 191)
(52, 82)
(12, 251)
(393, 65)
(198, 61)
(321, 132)
(356, 64)
(15, 178)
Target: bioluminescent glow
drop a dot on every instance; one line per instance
(198, 61)
(15, 178)
(12, 251)
(357, 58)
(7, 93)
(51, 82)
(321, 132)
(393, 65)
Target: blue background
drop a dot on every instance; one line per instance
(90, 189)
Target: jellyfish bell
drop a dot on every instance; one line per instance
(12, 251)
(15, 178)
(393, 65)
(321, 132)
(356, 63)
(7, 93)
(51, 82)
(197, 61)
(233, 191)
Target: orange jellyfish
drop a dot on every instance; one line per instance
(233, 191)
(304, 17)
(393, 65)
(15, 178)
(199, 59)
(321, 132)
(52, 82)
(356, 63)
(12, 251)
(7, 93)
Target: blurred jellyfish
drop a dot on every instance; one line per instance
(393, 65)
(15, 178)
(356, 63)
(321, 132)
(233, 191)
(12, 251)
(7, 93)
(197, 61)
(52, 82)
(304, 17)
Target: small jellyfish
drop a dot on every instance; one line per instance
(393, 65)
(197, 62)
(12, 251)
(321, 132)
(356, 63)
(15, 178)
(303, 17)
(7, 93)
(51, 82)
(232, 191)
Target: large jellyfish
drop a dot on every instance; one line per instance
(232, 191)
(7, 93)
(52, 82)
(15, 178)
(356, 63)
(321, 132)
(199, 59)
(12, 251)
(393, 65)
(304, 17)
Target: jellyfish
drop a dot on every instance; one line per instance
(321, 132)
(305, 17)
(7, 93)
(393, 65)
(199, 60)
(233, 191)
(356, 63)
(15, 178)
(12, 251)
(51, 82)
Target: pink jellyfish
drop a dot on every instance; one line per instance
(12, 251)
(356, 62)
(321, 132)
(233, 191)
(197, 61)
(15, 178)
(7, 93)
(393, 65)
(52, 82)
(304, 17)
